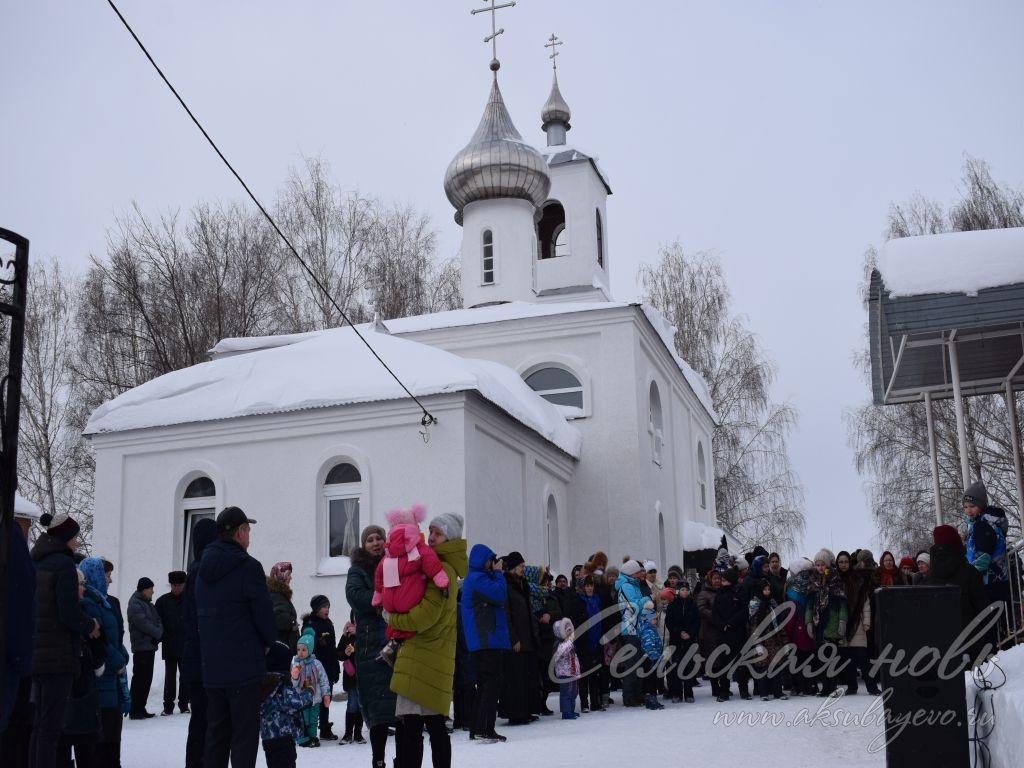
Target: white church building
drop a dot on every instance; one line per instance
(566, 422)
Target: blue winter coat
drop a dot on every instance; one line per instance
(631, 603)
(98, 607)
(279, 712)
(236, 617)
(203, 535)
(484, 594)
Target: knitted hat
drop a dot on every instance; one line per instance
(307, 638)
(906, 562)
(279, 570)
(676, 570)
(865, 560)
(825, 555)
(732, 575)
(977, 495)
(668, 595)
(450, 524)
(144, 583)
(631, 568)
(371, 529)
(318, 602)
(650, 565)
(742, 565)
(176, 577)
(798, 565)
(60, 526)
(683, 584)
(925, 558)
(511, 560)
(947, 535)
(723, 560)
(279, 657)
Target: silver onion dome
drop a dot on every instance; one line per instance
(555, 109)
(496, 163)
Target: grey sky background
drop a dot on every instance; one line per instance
(776, 134)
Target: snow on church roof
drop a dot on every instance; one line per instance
(954, 262)
(496, 313)
(319, 370)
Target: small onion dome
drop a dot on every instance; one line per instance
(555, 109)
(496, 163)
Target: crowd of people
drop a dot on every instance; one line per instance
(441, 638)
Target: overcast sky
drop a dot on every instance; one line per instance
(776, 134)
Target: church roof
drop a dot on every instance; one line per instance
(324, 369)
(562, 154)
(496, 313)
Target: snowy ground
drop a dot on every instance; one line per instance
(804, 736)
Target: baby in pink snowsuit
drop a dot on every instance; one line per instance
(401, 577)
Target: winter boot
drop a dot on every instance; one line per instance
(357, 729)
(349, 722)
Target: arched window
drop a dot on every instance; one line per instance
(702, 471)
(655, 425)
(342, 492)
(198, 502)
(600, 238)
(551, 231)
(661, 537)
(552, 521)
(558, 386)
(488, 257)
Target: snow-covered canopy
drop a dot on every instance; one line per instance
(328, 368)
(696, 536)
(513, 310)
(955, 262)
(25, 508)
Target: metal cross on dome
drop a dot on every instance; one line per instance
(492, 38)
(553, 43)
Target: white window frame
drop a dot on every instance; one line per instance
(188, 508)
(333, 565)
(655, 430)
(484, 258)
(569, 411)
(702, 472)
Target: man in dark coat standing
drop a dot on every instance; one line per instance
(145, 630)
(203, 534)
(60, 623)
(173, 643)
(19, 621)
(236, 629)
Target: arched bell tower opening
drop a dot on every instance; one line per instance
(552, 235)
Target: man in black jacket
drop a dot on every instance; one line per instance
(203, 534)
(236, 629)
(173, 641)
(60, 623)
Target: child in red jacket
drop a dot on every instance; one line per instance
(401, 577)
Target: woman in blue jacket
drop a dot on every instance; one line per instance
(482, 606)
(111, 706)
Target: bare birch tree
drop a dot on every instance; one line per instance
(891, 442)
(55, 468)
(758, 495)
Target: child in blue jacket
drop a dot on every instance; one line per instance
(280, 714)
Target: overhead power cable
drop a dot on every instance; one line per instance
(428, 418)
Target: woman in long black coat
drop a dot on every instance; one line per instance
(373, 676)
(730, 617)
(519, 677)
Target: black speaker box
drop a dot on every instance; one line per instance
(934, 710)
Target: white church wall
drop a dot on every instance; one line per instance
(514, 244)
(614, 489)
(582, 194)
(510, 475)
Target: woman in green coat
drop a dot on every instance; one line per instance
(425, 667)
(373, 676)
